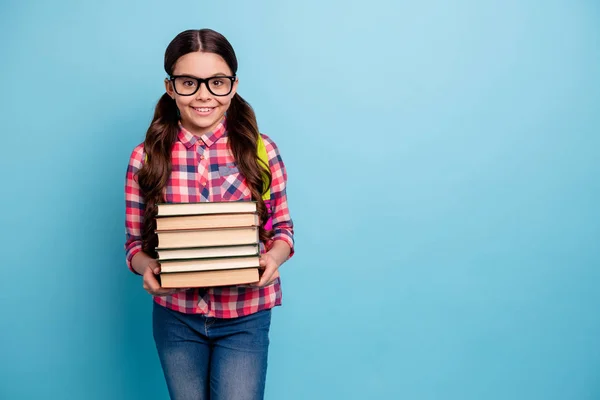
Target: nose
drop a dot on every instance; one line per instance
(203, 93)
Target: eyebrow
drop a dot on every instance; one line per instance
(194, 76)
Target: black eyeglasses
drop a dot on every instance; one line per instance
(188, 85)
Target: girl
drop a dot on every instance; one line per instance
(202, 146)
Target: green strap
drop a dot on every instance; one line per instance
(263, 157)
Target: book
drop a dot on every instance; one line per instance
(208, 244)
(207, 237)
(208, 252)
(217, 207)
(209, 264)
(207, 221)
(227, 277)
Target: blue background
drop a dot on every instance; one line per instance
(443, 163)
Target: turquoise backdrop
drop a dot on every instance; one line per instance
(443, 163)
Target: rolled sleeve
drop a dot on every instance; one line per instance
(134, 207)
(283, 226)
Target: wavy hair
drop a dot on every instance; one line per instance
(242, 131)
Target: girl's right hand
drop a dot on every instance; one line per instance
(151, 284)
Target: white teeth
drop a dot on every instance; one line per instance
(206, 109)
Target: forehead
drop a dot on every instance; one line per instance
(201, 65)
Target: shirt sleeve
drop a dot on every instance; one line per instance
(283, 225)
(134, 207)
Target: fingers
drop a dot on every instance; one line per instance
(264, 277)
(151, 285)
(269, 270)
(155, 267)
(150, 282)
(262, 262)
(273, 277)
(268, 276)
(166, 292)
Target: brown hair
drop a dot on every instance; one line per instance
(242, 131)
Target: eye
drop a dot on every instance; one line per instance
(217, 82)
(189, 83)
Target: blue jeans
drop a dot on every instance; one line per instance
(212, 358)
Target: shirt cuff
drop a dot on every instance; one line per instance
(132, 250)
(287, 238)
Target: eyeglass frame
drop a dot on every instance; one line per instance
(201, 81)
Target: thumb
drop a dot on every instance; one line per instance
(155, 266)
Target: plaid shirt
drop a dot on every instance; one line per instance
(204, 170)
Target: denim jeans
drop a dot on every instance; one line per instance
(212, 358)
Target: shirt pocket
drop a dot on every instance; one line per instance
(233, 184)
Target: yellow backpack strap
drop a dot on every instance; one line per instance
(263, 159)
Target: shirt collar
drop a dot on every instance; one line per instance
(189, 139)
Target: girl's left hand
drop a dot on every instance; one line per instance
(270, 269)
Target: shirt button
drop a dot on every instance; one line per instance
(202, 157)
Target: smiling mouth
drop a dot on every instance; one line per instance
(203, 110)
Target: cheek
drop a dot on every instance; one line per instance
(224, 103)
(182, 102)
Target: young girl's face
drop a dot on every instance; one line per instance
(202, 111)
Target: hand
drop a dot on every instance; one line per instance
(151, 284)
(269, 268)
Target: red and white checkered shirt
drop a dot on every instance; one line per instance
(204, 170)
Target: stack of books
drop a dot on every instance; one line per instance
(208, 244)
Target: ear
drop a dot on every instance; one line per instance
(169, 88)
(235, 86)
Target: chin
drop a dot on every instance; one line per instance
(203, 123)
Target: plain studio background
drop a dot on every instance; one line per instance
(443, 164)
